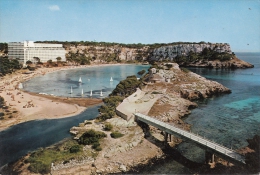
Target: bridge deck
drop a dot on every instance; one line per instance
(191, 136)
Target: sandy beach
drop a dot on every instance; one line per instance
(23, 106)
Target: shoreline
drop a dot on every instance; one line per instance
(26, 106)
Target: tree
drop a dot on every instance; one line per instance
(36, 59)
(58, 59)
(49, 62)
(28, 62)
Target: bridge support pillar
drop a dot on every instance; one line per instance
(165, 138)
(209, 157)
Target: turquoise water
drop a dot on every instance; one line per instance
(96, 79)
(228, 119)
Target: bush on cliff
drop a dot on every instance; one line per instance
(74, 149)
(126, 87)
(116, 134)
(91, 136)
(108, 127)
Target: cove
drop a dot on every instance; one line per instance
(20, 139)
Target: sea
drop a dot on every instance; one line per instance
(228, 119)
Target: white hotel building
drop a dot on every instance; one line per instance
(27, 50)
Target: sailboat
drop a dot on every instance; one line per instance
(111, 79)
(71, 90)
(80, 81)
(90, 93)
(82, 92)
(101, 94)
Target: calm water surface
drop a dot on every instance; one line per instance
(96, 79)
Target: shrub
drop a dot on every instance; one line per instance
(154, 92)
(185, 70)
(98, 148)
(74, 149)
(40, 167)
(91, 136)
(2, 114)
(108, 127)
(141, 72)
(88, 123)
(116, 134)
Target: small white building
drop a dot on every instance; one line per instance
(27, 50)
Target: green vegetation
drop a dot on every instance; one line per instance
(8, 65)
(141, 72)
(2, 102)
(108, 110)
(126, 87)
(74, 149)
(92, 137)
(40, 160)
(108, 127)
(96, 146)
(116, 134)
(4, 48)
(155, 92)
(78, 58)
(108, 44)
(123, 89)
(185, 70)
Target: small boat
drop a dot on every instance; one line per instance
(101, 94)
(80, 81)
(71, 89)
(111, 79)
(20, 86)
(82, 92)
(90, 93)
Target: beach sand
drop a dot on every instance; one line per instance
(24, 106)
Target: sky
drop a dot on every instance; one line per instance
(236, 22)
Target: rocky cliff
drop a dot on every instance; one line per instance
(217, 55)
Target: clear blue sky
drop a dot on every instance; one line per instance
(236, 22)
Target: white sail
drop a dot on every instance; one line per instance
(111, 79)
(71, 89)
(101, 94)
(81, 91)
(90, 93)
(20, 86)
(80, 81)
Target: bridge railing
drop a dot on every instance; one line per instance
(195, 137)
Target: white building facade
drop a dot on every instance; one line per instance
(28, 50)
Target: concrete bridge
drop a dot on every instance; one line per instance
(210, 147)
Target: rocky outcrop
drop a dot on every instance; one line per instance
(162, 52)
(172, 51)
